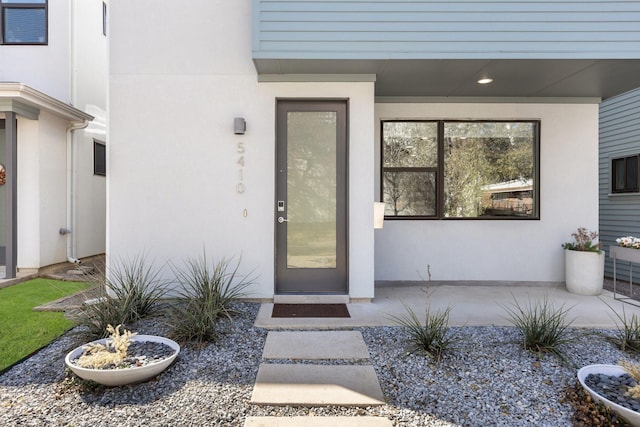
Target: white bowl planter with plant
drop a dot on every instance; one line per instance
(106, 361)
(631, 416)
(584, 264)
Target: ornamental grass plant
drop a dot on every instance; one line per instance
(544, 328)
(130, 290)
(433, 338)
(628, 331)
(207, 289)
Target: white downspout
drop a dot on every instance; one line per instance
(72, 185)
(72, 169)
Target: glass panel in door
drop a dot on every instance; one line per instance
(311, 189)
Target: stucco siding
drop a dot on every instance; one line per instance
(502, 250)
(172, 189)
(428, 29)
(43, 67)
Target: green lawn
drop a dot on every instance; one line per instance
(22, 330)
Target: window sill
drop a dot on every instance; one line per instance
(622, 195)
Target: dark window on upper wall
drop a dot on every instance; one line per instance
(104, 18)
(99, 158)
(460, 169)
(624, 174)
(24, 21)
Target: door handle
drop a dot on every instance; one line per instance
(281, 220)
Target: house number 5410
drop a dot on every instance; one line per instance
(240, 187)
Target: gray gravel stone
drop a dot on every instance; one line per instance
(486, 380)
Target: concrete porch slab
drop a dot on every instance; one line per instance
(317, 422)
(471, 306)
(315, 345)
(316, 385)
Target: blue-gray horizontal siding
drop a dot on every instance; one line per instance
(619, 215)
(454, 29)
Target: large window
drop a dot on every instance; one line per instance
(24, 21)
(624, 174)
(460, 169)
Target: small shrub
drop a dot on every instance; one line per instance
(628, 334)
(207, 290)
(112, 353)
(583, 241)
(543, 327)
(434, 337)
(130, 291)
(632, 369)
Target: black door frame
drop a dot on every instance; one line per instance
(307, 280)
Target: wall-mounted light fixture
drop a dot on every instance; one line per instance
(239, 126)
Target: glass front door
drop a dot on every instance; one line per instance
(311, 197)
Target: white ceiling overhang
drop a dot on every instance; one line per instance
(457, 78)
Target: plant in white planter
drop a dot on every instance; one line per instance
(122, 358)
(584, 263)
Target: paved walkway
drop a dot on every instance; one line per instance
(349, 380)
(309, 384)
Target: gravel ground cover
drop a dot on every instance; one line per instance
(486, 380)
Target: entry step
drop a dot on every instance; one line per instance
(315, 345)
(311, 299)
(316, 385)
(317, 422)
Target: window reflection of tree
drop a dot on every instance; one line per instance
(477, 155)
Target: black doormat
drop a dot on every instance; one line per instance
(310, 310)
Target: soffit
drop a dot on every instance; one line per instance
(28, 102)
(458, 78)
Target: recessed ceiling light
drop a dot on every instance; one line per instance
(485, 81)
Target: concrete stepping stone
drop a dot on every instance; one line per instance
(316, 385)
(315, 345)
(317, 422)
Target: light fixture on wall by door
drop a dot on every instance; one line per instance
(239, 126)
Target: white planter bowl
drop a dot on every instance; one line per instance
(118, 377)
(632, 417)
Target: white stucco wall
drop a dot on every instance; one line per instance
(43, 67)
(71, 68)
(502, 250)
(90, 81)
(172, 153)
(41, 195)
(53, 188)
(173, 188)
